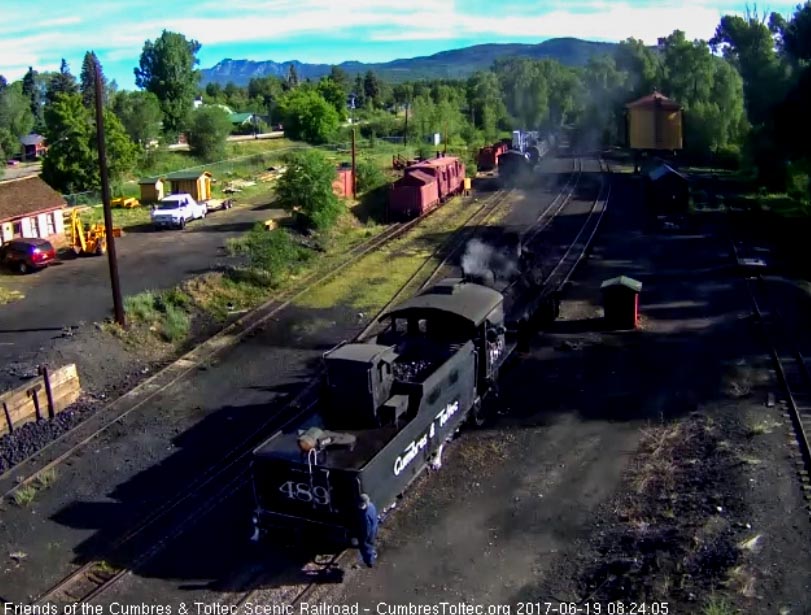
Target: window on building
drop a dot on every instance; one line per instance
(51, 223)
(17, 229)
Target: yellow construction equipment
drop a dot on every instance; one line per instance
(90, 240)
(125, 202)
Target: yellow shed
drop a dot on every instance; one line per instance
(654, 123)
(196, 183)
(151, 189)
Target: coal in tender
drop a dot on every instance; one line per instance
(411, 371)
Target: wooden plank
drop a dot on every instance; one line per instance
(65, 387)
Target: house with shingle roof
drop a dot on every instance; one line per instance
(31, 208)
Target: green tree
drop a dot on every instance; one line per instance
(62, 82)
(140, 114)
(87, 80)
(334, 94)
(486, 103)
(369, 175)
(292, 77)
(372, 88)
(166, 69)
(306, 188)
(71, 164)
(340, 77)
(267, 90)
(16, 119)
(641, 66)
(30, 88)
(307, 116)
(749, 45)
(208, 129)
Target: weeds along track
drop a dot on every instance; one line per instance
(222, 480)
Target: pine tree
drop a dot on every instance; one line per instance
(292, 77)
(31, 92)
(62, 82)
(88, 79)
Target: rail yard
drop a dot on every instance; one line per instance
(542, 467)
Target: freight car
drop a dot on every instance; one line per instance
(425, 185)
(387, 407)
(488, 156)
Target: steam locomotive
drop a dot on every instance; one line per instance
(387, 406)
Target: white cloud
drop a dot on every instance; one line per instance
(40, 35)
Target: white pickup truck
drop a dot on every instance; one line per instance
(176, 210)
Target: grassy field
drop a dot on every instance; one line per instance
(371, 282)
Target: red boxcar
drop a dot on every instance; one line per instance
(487, 159)
(425, 185)
(413, 194)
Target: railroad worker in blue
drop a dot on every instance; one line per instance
(368, 531)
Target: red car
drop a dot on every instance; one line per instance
(27, 255)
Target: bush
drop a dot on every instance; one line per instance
(271, 255)
(166, 311)
(208, 129)
(370, 176)
(306, 189)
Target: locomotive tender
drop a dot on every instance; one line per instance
(387, 407)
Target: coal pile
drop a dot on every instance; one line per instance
(412, 371)
(31, 437)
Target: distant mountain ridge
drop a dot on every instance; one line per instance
(449, 64)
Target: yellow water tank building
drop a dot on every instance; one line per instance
(654, 123)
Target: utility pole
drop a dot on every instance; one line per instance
(118, 304)
(405, 134)
(354, 174)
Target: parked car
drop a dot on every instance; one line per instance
(26, 255)
(176, 210)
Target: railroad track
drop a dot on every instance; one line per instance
(91, 580)
(579, 247)
(560, 274)
(95, 577)
(791, 366)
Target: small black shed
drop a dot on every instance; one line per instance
(666, 190)
(621, 302)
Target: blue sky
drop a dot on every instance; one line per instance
(41, 32)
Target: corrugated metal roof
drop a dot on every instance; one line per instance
(654, 99)
(181, 175)
(470, 301)
(26, 196)
(149, 180)
(634, 285)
